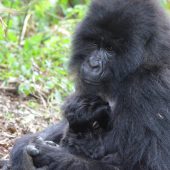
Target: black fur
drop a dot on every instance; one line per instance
(120, 53)
(89, 122)
(84, 111)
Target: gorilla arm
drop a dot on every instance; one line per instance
(60, 159)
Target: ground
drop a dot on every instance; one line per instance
(22, 115)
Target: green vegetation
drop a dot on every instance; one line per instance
(35, 44)
(35, 40)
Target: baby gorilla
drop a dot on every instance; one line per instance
(88, 124)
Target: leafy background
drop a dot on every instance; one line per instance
(35, 45)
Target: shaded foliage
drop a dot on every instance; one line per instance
(35, 44)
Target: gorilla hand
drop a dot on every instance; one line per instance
(42, 152)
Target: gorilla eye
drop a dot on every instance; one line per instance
(109, 48)
(94, 42)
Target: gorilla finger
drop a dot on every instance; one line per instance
(51, 143)
(39, 140)
(32, 150)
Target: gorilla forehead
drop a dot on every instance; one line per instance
(106, 29)
(121, 18)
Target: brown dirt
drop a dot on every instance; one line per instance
(19, 116)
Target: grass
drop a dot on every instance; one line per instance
(35, 46)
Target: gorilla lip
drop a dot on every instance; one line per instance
(90, 82)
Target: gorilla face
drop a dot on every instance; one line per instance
(94, 70)
(98, 47)
(109, 45)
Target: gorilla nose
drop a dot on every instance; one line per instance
(94, 62)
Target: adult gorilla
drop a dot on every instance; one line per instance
(121, 52)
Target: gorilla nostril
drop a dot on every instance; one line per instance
(94, 63)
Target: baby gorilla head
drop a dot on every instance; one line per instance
(89, 121)
(87, 113)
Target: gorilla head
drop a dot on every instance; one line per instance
(111, 42)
